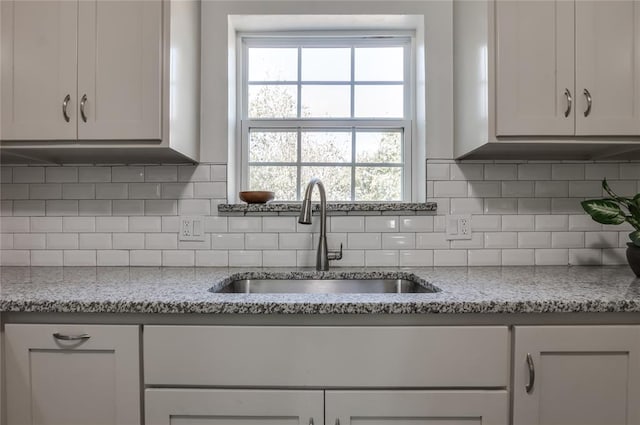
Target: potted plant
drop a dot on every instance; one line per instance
(616, 210)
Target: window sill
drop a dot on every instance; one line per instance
(333, 208)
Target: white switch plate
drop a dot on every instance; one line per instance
(458, 227)
(191, 228)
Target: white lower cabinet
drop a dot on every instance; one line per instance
(577, 375)
(300, 407)
(72, 374)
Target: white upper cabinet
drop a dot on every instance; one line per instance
(88, 70)
(534, 67)
(119, 69)
(608, 68)
(39, 72)
(537, 45)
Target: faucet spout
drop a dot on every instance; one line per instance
(323, 255)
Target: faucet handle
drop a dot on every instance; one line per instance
(335, 255)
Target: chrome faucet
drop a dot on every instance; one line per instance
(324, 255)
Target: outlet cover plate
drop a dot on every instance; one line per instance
(191, 228)
(458, 227)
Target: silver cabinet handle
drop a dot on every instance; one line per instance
(83, 100)
(532, 374)
(588, 96)
(65, 103)
(567, 111)
(79, 337)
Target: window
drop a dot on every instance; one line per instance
(335, 107)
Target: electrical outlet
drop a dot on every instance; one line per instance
(191, 228)
(458, 227)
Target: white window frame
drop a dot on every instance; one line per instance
(331, 39)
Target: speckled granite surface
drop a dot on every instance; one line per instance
(291, 208)
(187, 290)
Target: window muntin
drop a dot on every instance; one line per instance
(335, 108)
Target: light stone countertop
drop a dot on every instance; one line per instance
(186, 290)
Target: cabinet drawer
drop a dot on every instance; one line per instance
(326, 356)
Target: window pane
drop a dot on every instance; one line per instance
(379, 102)
(281, 180)
(273, 146)
(379, 147)
(273, 64)
(378, 184)
(320, 146)
(336, 180)
(326, 101)
(315, 61)
(272, 101)
(379, 64)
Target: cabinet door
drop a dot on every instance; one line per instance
(608, 67)
(238, 407)
(38, 70)
(119, 69)
(411, 407)
(534, 68)
(76, 382)
(580, 375)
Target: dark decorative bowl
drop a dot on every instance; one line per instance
(633, 256)
(257, 196)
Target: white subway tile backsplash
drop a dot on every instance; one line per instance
(567, 171)
(585, 257)
(144, 190)
(145, 224)
(6, 208)
(486, 223)
(614, 256)
(437, 171)
(61, 208)
(347, 224)
(500, 171)
(206, 258)
(518, 223)
(128, 241)
(94, 207)
(28, 175)
(416, 258)
(245, 258)
(14, 191)
(609, 171)
(295, 241)
(6, 241)
(398, 241)
(94, 241)
(450, 257)
(583, 222)
(518, 257)
(551, 257)
(307, 258)
(500, 206)
(161, 173)
(416, 224)
(194, 207)
(94, 174)
(381, 224)
(6, 174)
(112, 224)
(177, 190)
(501, 240)
(551, 189)
(210, 190)
(127, 207)
(171, 224)
(622, 187)
(449, 189)
(46, 224)
(261, 241)
(465, 171)
(630, 171)
(161, 241)
(567, 240)
(78, 191)
(484, 257)
(127, 174)
(386, 258)
(12, 257)
(112, 258)
(161, 207)
(46, 258)
(245, 224)
(14, 224)
(431, 241)
(484, 189)
(279, 224)
(228, 241)
(566, 205)
(534, 240)
(61, 174)
(79, 258)
(112, 191)
(62, 241)
(78, 224)
(585, 189)
(29, 241)
(476, 241)
(350, 258)
(364, 241)
(534, 206)
(194, 173)
(45, 191)
(534, 171)
(182, 258)
(601, 239)
(281, 258)
(145, 258)
(551, 222)
(517, 189)
(218, 173)
(466, 206)
(28, 208)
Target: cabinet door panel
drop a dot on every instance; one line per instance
(584, 375)
(119, 69)
(417, 407)
(95, 381)
(38, 69)
(233, 407)
(608, 66)
(534, 67)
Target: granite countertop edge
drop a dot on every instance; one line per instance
(175, 290)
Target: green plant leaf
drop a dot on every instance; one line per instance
(604, 211)
(635, 237)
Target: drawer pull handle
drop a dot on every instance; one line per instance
(65, 103)
(588, 96)
(62, 337)
(83, 101)
(532, 374)
(567, 111)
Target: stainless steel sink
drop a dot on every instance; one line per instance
(325, 286)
